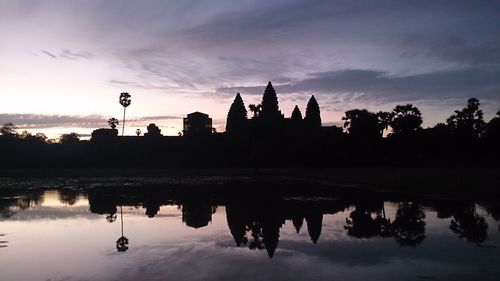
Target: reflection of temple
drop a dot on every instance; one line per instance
(197, 213)
(257, 224)
(255, 220)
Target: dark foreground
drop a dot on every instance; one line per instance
(241, 227)
(453, 182)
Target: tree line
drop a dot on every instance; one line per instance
(268, 139)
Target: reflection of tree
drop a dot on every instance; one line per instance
(20, 199)
(122, 242)
(5, 210)
(68, 196)
(494, 209)
(256, 233)
(197, 212)
(103, 203)
(362, 224)
(465, 221)
(34, 198)
(409, 226)
(385, 229)
(152, 208)
(111, 218)
(469, 225)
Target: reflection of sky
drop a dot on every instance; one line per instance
(69, 243)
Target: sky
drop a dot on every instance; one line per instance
(63, 64)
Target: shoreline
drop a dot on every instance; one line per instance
(423, 181)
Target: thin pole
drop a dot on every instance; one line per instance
(123, 128)
(121, 218)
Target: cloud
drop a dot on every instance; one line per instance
(72, 55)
(69, 54)
(41, 121)
(49, 54)
(458, 49)
(351, 51)
(381, 86)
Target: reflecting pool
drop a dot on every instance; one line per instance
(219, 229)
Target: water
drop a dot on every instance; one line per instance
(221, 229)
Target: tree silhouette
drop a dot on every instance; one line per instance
(362, 124)
(256, 109)
(70, 138)
(467, 123)
(113, 122)
(8, 130)
(125, 102)
(138, 132)
(153, 131)
(312, 119)
(406, 119)
(384, 120)
(41, 137)
(237, 116)
(492, 132)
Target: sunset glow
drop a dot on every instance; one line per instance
(71, 59)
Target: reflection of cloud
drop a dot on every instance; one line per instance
(41, 212)
(350, 259)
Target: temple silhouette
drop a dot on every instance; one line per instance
(255, 220)
(262, 137)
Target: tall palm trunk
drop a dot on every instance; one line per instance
(123, 124)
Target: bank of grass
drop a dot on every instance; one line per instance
(419, 180)
(410, 180)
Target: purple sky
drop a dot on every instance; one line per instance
(64, 63)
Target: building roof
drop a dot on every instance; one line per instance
(197, 113)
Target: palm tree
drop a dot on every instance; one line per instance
(122, 242)
(124, 101)
(256, 109)
(113, 122)
(384, 120)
